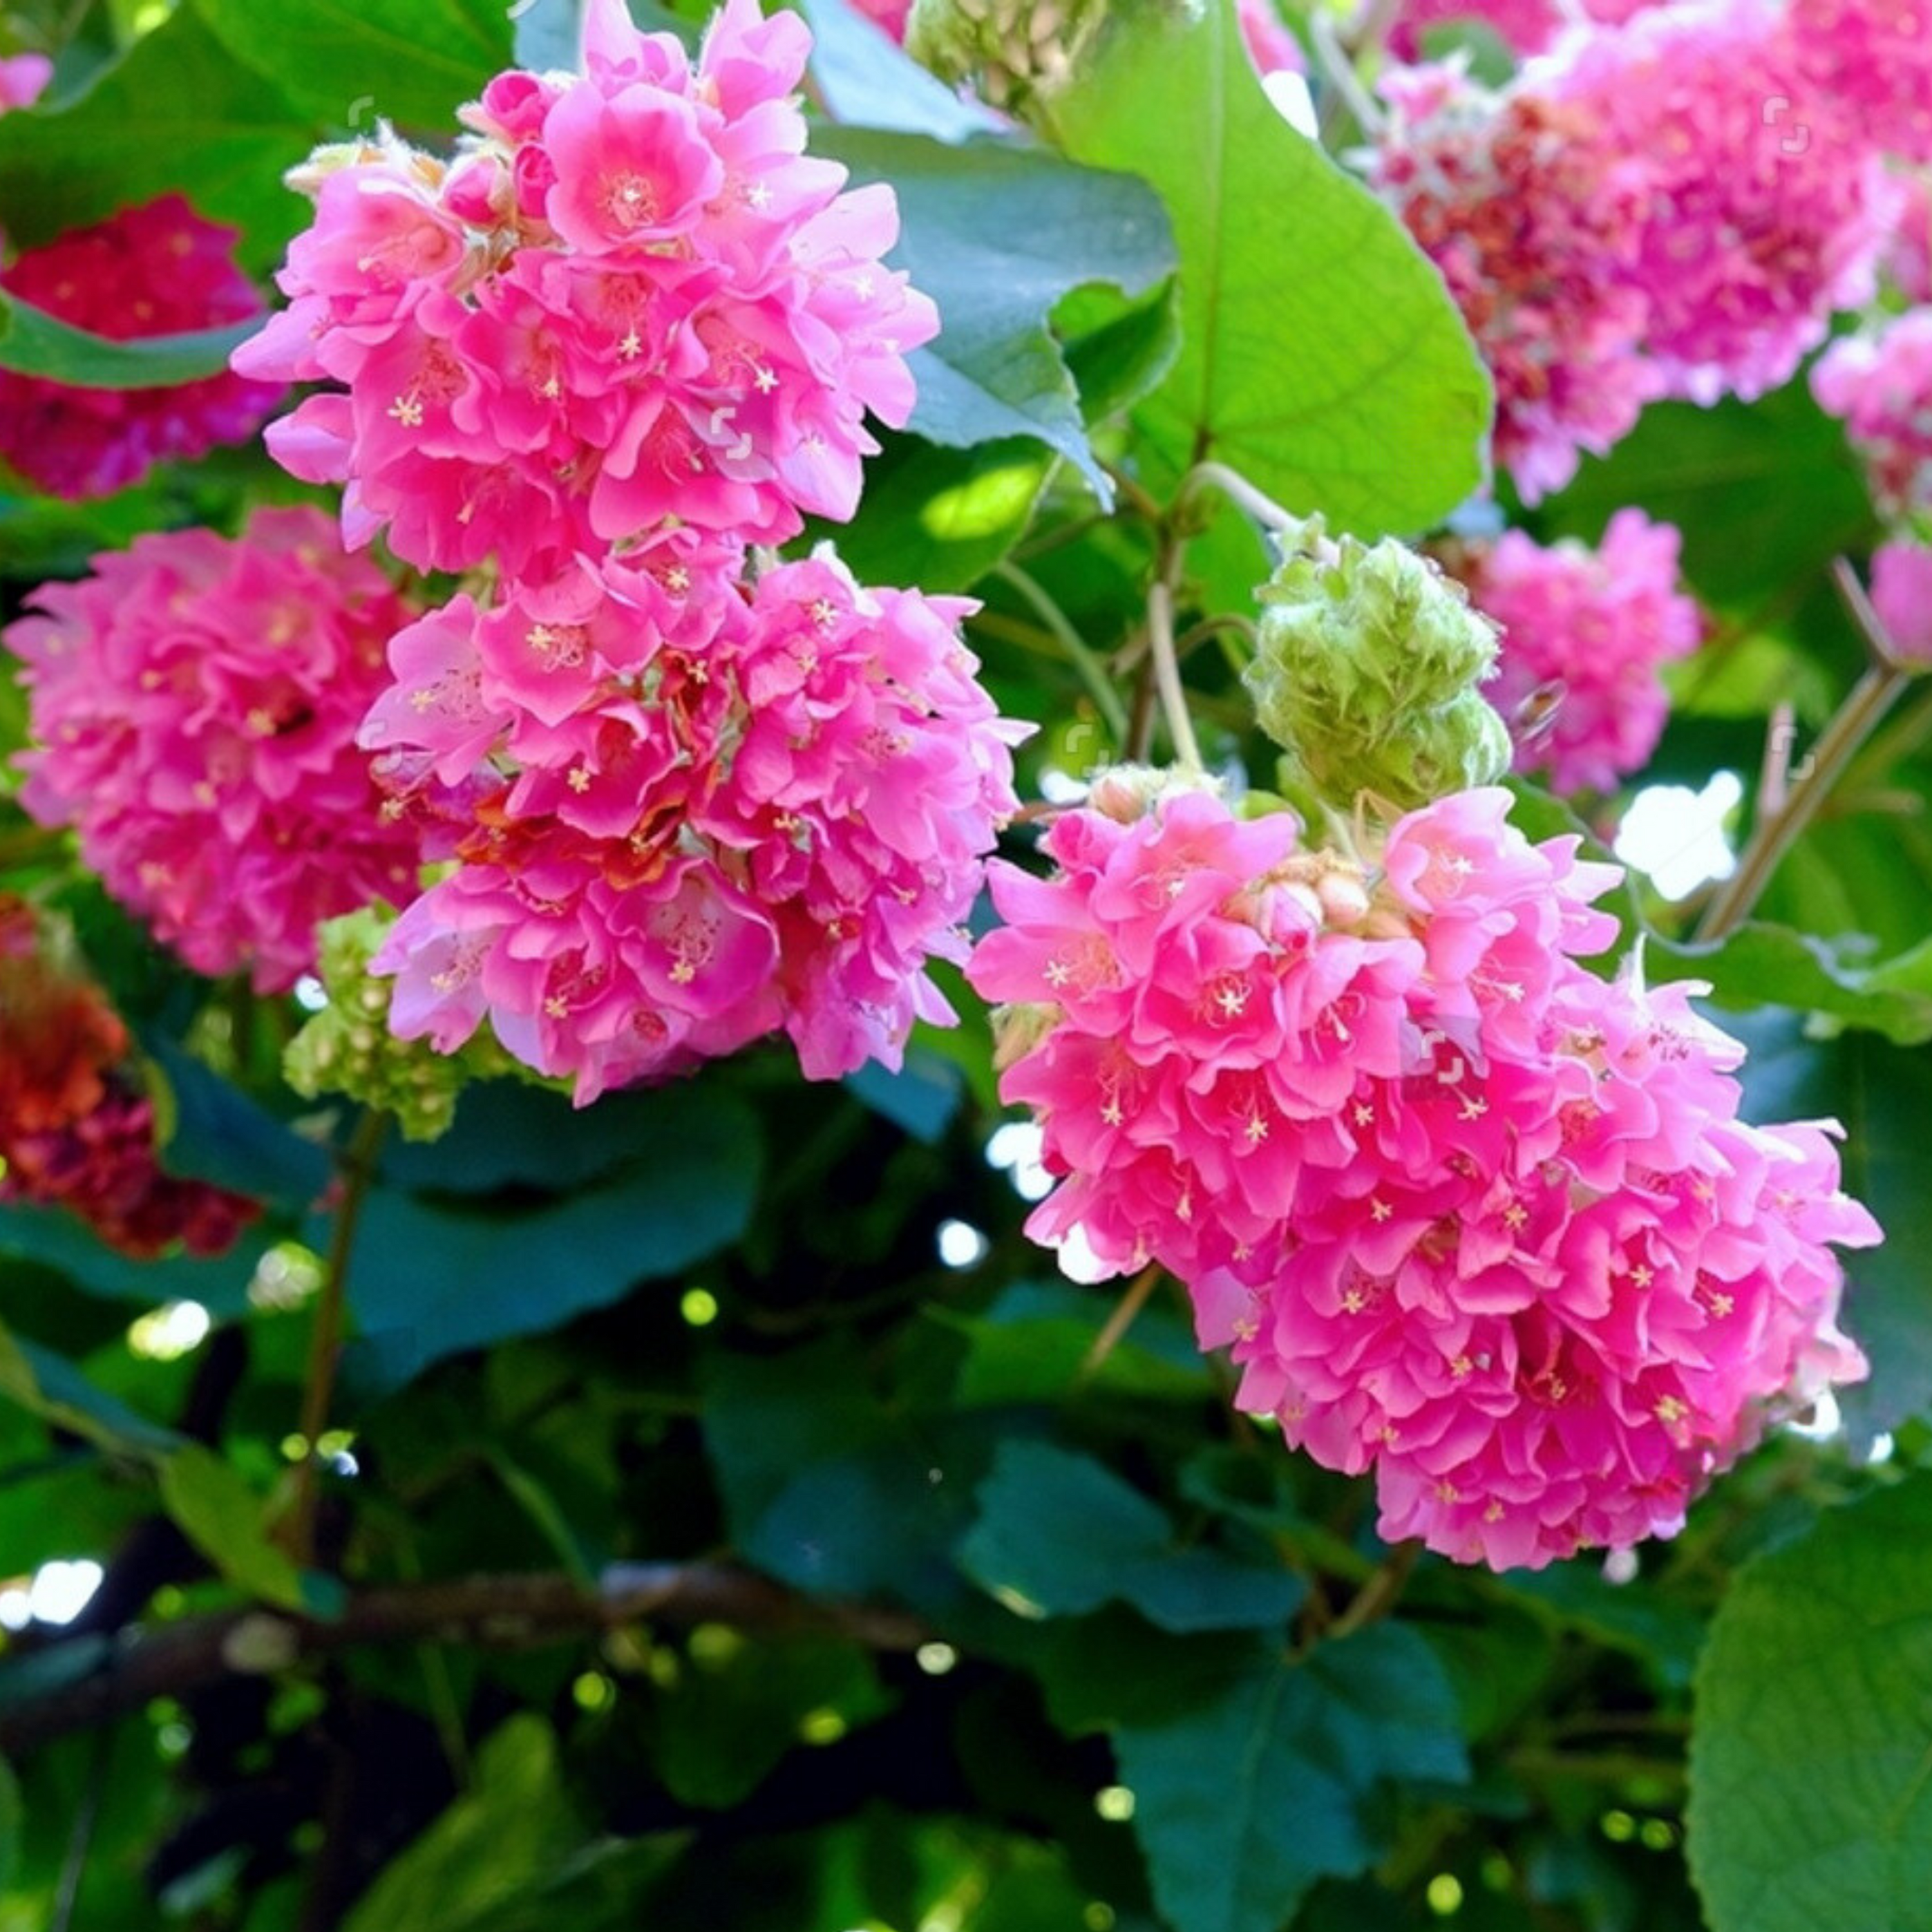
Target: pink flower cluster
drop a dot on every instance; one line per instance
(1589, 629)
(1669, 207)
(633, 298)
(1469, 1216)
(1901, 594)
(75, 1132)
(196, 702)
(689, 813)
(1880, 383)
(1876, 56)
(159, 269)
(632, 332)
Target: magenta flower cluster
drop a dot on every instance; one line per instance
(195, 703)
(632, 332)
(1587, 630)
(1879, 382)
(1469, 1216)
(1672, 207)
(158, 269)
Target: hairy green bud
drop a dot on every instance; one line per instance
(1012, 51)
(1366, 664)
(347, 1047)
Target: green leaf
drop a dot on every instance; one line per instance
(33, 343)
(1321, 354)
(178, 111)
(1060, 1535)
(50, 1386)
(219, 1135)
(1030, 1346)
(996, 371)
(58, 1239)
(1761, 965)
(922, 1097)
(11, 1821)
(222, 1517)
(941, 518)
(431, 1278)
(411, 61)
(1811, 1762)
(512, 1829)
(738, 1708)
(1242, 1803)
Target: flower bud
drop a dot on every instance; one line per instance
(1367, 664)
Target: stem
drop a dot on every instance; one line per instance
(1777, 832)
(1091, 672)
(1777, 829)
(1378, 1595)
(74, 1866)
(1239, 491)
(1167, 675)
(325, 1345)
(1117, 1323)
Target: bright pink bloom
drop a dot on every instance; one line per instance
(194, 703)
(1596, 625)
(1533, 214)
(1876, 56)
(1901, 593)
(687, 815)
(23, 79)
(1765, 205)
(158, 269)
(891, 15)
(1880, 383)
(633, 301)
(1470, 1216)
(1908, 257)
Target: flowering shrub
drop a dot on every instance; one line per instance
(964, 969)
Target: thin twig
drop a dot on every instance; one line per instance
(1117, 1323)
(1381, 1593)
(1167, 676)
(358, 1171)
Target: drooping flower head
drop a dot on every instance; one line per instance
(632, 301)
(159, 269)
(194, 703)
(1588, 630)
(1469, 1216)
(712, 813)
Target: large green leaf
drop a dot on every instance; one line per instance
(34, 344)
(1321, 354)
(512, 1829)
(1760, 965)
(1060, 1535)
(430, 1277)
(995, 371)
(867, 79)
(179, 112)
(50, 1386)
(1811, 1762)
(218, 1133)
(412, 61)
(58, 1239)
(223, 1518)
(1244, 1801)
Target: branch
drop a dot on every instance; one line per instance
(495, 1612)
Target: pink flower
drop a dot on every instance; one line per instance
(1901, 593)
(158, 269)
(1532, 213)
(1875, 56)
(1270, 46)
(1527, 26)
(1470, 1216)
(1596, 625)
(889, 15)
(1759, 221)
(634, 302)
(688, 814)
(194, 703)
(23, 79)
(1880, 383)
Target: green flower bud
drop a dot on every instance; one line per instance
(1367, 659)
(1012, 51)
(347, 1048)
